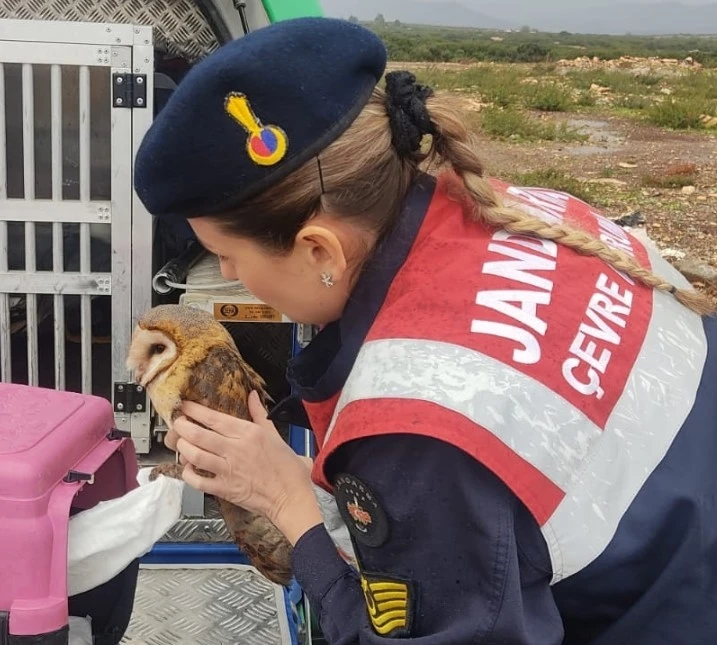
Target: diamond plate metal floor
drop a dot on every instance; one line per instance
(207, 605)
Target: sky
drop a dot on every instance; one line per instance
(483, 5)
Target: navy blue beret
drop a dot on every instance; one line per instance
(254, 111)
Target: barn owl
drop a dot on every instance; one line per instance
(180, 354)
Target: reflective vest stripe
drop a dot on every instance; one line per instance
(599, 471)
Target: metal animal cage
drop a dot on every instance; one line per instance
(75, 244)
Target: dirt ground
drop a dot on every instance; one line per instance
(619, 153)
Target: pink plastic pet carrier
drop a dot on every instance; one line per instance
(59, 454)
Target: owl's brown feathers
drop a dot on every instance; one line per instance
(183, 354)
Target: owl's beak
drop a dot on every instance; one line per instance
(138, 375)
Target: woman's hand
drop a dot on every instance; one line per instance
(252, 465)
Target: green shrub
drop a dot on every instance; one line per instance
(677, 114)
(513, 124)
(554, 179)
(548, 97)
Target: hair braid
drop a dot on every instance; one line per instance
(452, 146)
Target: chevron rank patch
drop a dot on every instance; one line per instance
(389, 602)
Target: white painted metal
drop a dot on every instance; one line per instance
(47, 32)
(86, 312)
(122, 248)
(46, 210)
(5, 349)
(69, 283)
(28, 141)
(29, 53)
(58, 309)
(142, 222)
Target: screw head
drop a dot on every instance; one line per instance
(140, 100)
(140, 80)
(119, 101)
(140, 389)
(120, 406)
(120, 388)
(120, 80)
(138, 406)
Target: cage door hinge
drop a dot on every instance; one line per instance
(129, 90)
(129, 398)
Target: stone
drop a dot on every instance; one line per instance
(608, 181)
(696, 271)
(689, 190)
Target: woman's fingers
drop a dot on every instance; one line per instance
(208, 440)
(201, 458)
(170, 440)
(223, 424)
(209, 485)
(256, 409)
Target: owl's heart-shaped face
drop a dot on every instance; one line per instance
(151, 353)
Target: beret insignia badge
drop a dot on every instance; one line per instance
(266, 144)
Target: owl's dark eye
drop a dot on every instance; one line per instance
(157, 349)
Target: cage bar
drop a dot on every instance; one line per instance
(28, 140)
(57, 241)
(85, 238)
(5, 350)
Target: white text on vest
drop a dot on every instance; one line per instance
(584, 369)
(522, 320)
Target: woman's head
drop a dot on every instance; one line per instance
(317, 225)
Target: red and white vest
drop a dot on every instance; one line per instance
(560, 374)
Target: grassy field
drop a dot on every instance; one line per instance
(511, 91)
(444, 44)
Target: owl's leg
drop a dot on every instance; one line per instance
(172, 470)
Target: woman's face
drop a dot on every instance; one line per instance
(290, 283)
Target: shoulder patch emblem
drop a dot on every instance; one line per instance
(389, 602)
(267, 144)
(360, 510)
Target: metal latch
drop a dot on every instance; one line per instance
(74, 476)
(129, 90)
(129, 398)
(117, 435)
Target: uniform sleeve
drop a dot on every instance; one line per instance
(473, 562)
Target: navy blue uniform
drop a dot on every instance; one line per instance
(476, 560)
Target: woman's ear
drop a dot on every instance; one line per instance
(322, 250)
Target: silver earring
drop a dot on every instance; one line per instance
(326, 279)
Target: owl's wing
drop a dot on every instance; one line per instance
(222, 381)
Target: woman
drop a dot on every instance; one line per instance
(516, 414)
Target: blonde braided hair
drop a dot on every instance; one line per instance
(453, 146)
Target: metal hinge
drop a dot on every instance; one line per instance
(129, 90)
(129, 398)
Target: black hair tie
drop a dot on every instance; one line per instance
(407, 113)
